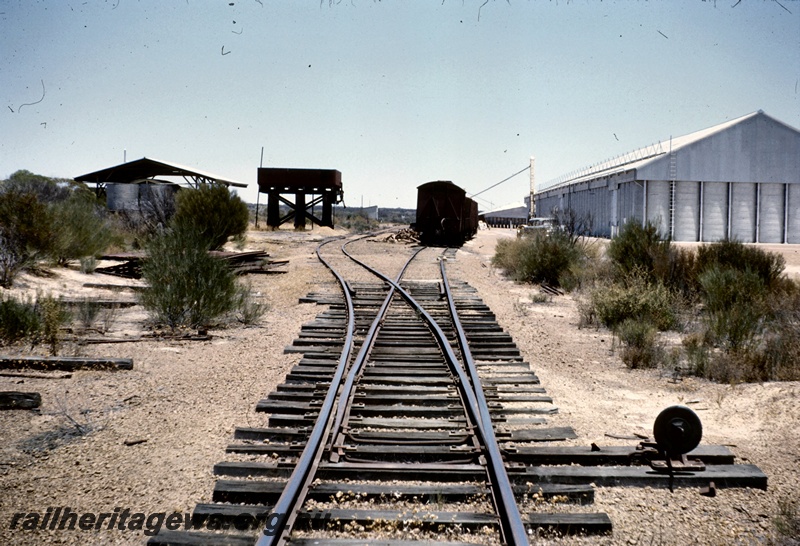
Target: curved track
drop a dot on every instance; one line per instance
(387, 430)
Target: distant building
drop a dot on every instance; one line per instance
(511, 215)
(132, 186)
(737, 180)
(370, 212)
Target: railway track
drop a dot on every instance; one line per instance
(412, 416)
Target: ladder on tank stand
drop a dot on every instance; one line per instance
(673, 175)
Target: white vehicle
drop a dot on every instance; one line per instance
(534, 226)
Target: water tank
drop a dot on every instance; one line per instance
(122, 197)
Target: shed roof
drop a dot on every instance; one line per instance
(145, 168)
(644, 156)
(510, 210)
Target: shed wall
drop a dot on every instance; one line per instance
(743, 212)
(687, 211)
(715, 211)
(793, 216)
(771, 213)
(658, 201)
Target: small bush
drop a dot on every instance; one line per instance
(639, 349)
(787, 523)
(88, 265)
(249, 309)
(542, 258)
(213, 212)
(54, 315)
(507, 255)
(25, 232)
(767, 266)
(540, 297)
(87, 312)
(92, 314)
(734, 306)
(18, 320)
(639, 248)
(697, 354)
(82, 229)
(186, 286)
(587, 314)
(357, 222)
(638, 299)
(679, 272)
(777, 357)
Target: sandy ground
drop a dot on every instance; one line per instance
(184, 398)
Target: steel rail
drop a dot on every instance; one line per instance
(303, 474)
(304, 469)
(366, 347)
(512, 527)
(512, 520)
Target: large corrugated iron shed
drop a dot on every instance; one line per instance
(736, 180)
(134, 172)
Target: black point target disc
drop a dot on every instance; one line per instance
(677, 430)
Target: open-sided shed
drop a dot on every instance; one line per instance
(129, 184)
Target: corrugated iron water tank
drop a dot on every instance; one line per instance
(120, 197)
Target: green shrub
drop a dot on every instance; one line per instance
(46, 190)
(213, 212)
(735, 309)
(679, 272)
(697, 354)
(18, 320)
(639, 248)
(541, 258)
(358, 222)
(767, 266)
(88, 264)
(638, 299)
(25, 232)
(82, 229)
(186, 286)
(249, 309)
(588, 271)
(787, 522)
(507, 255)
(777, 357)
(87, 312)
(639, 349)
(54, 315)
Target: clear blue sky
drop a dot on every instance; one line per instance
(392, 93)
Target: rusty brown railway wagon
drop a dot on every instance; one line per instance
(445, 215)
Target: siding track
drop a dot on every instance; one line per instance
(412, 416)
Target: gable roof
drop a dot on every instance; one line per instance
(145, 168)
(642, 157)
